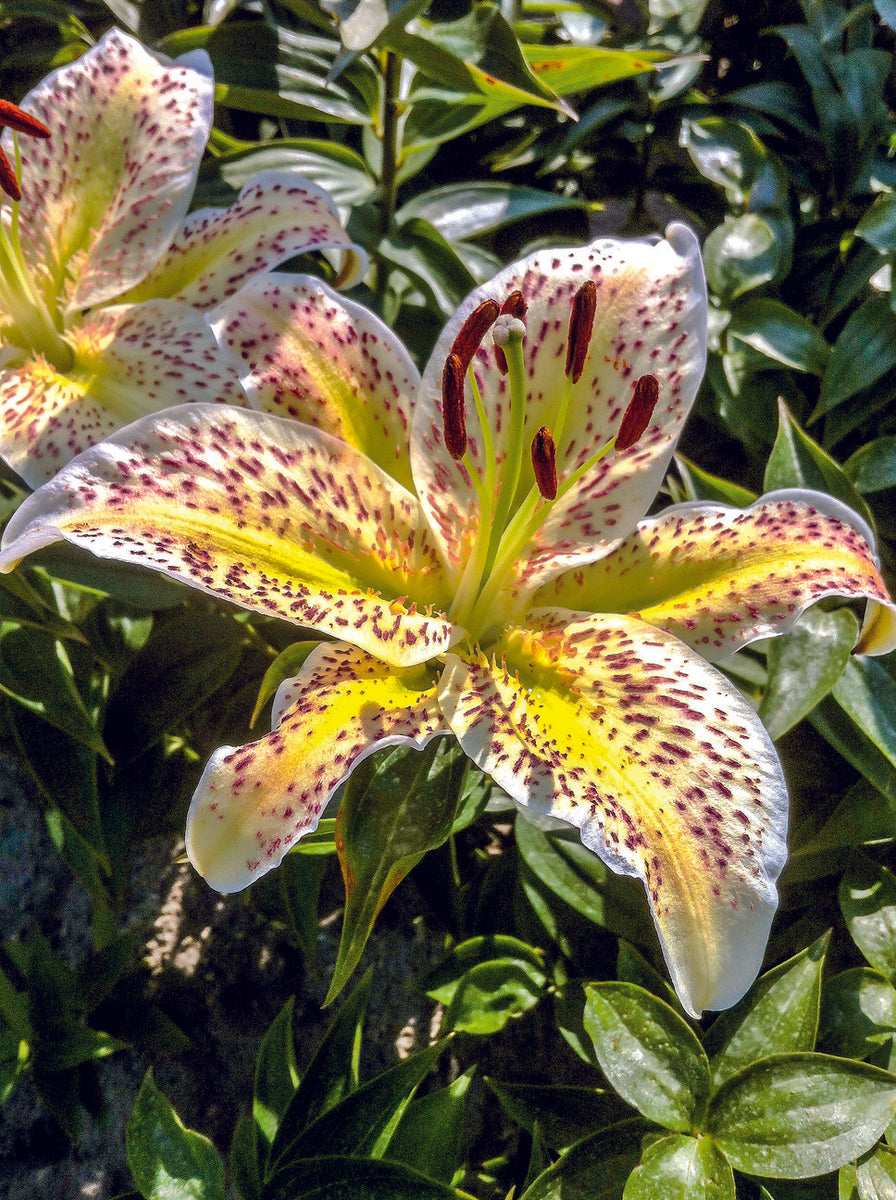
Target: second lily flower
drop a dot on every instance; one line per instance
(525, 605)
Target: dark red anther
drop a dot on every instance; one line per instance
(473, 330)
(581, 325)
(515, 305)
(8, 181)
(453, 411)
(21, 122)
(637, 416)
(544, 463)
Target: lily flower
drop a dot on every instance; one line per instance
(476, 544)
(104, 278)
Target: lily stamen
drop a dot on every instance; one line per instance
(453, 407)
(544, 463)
(639, 412)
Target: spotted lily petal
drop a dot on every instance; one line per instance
(267, 513)
(305, 352)
(108, 191)
(128, 361)
(256, 801)
(720, 577)
(275, 217)
(651, 319)
(667, 772)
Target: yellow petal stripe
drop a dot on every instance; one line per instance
(622, 731)
(720, 577)
(275, 217)
(108, 191)
(128, 361)
(306, 352)
(267, 513)
(254, 802)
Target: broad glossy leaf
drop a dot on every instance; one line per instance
(336, 1178)
(492, 993)
(876, 1176)
(285, 666)
(167, 1159)
(564, 1113)
(864, 351)
(858, 1013)
(796, 1115)
(77, 1045)
(878, 225)
(804, 665)
(681, 1168)
(462, 210)
(873, 467)
(396, 806)
(442, 981)
(701, 485)
(413, 1142)
(744, 252)
(798, 461)
(778, 1015)
(836, 727)
(419, 250)
(863, 815)
(335, 168)
(649, 1054)
(595, 1168)
(569, 69)
(780, 334)
(731, 155)
(363, 1123)
(866, 691)
(868, 902)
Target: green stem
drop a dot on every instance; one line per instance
(389, 170)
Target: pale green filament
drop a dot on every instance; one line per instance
(21, 299)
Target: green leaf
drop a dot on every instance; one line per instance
(335, 168)
(570, 870)
(492, 993)
(168, 1161)
(421, 252)
(276, 1073)
(836, 727)
(700, 485)
(648, 1053)
(414, 1144)
(285, 666)
(36, 672)
(595, 1168)
(866, 691)
(76, 1046)
(564, 1113)
(804, 665)
(333, 1072)
(797, 461)
(781, 334)
(868, 902)
(873, 467)
(778, 1015)
(363, 1123)
(189, 656)
(861, 355)
(863, 815)
(858, 1013)
(791, 1116)
(443, 981)
(463, 210)
(876, 1176)
(744, 252)
(361, 1179)
(731, 155)
(878, 225)
(569, 69)
(681, 1168)
(397, 806)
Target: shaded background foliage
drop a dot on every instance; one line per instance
(449, 137)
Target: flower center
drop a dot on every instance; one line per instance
(505, 529)
(33, 325)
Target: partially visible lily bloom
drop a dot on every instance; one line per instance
(104, 279)
(476, 543)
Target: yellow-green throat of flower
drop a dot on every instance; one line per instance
(505, 532)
